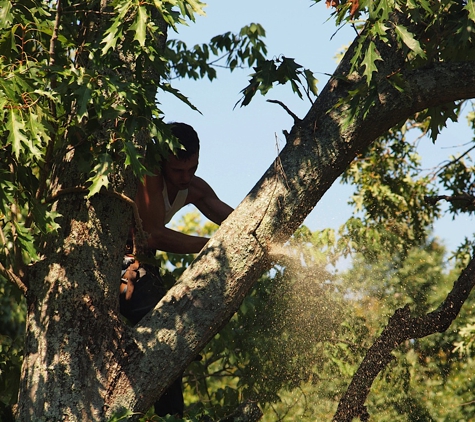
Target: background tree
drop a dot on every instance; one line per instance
(80, 105)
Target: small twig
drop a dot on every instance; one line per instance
(54, 35)
(455, 160)
(294, 116)
(14, 279)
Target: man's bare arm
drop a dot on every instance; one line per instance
(152, 212)
(206, 200)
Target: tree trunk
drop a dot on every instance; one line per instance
(73, 336)
(82, 363)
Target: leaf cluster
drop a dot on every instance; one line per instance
(423, 33)
(235, 50)
(392, 213)
(280, 70)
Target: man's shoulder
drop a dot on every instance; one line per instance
(198, 189)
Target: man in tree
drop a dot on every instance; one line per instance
(159, 197)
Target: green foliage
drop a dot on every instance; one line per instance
(299, 337)
(279, 70)
(275, 342)
(12, 326)
(457, 177)
(78, 86)
(85, 90)
(236, 50)
(424, 32)
(390, 196)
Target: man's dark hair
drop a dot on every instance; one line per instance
(187, 137)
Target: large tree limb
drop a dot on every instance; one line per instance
(463, 197)
(319, 148)
(401, 327)
(317, 152)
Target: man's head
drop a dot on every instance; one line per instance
(179, 169)
(188, 138)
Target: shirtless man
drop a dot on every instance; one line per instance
(158, 199)
(179, 186)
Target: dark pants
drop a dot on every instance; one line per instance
(148, 290)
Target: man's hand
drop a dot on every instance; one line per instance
(128, 280)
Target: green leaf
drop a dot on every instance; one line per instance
(179, 95)
(398, 82)
(6, 191)
(38, 134)
(194, 7)
(16, 127)
(83, 94)
(133, 159)
(311, 81)
(408, 39)
(470, 7)
(26, 240)
(100, 174)
(369, 61)
(113, 34)
(6, 16)
(140, 25)
(380, 29)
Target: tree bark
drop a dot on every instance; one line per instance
(82, 363)
(74, 336)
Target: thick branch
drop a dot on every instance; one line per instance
(318, 150)
(465, 197)
(401, 327)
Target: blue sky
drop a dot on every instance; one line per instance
(239, 144)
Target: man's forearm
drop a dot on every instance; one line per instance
(168, 240)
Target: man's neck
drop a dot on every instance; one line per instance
(171, 191)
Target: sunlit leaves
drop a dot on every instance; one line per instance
(5, 13)
(409, 40)
(140, 26)
(467, 333)
(421, 32)
(390, 198)
(470, 7)
(16, 136)
(135, 17)
(99, 178)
